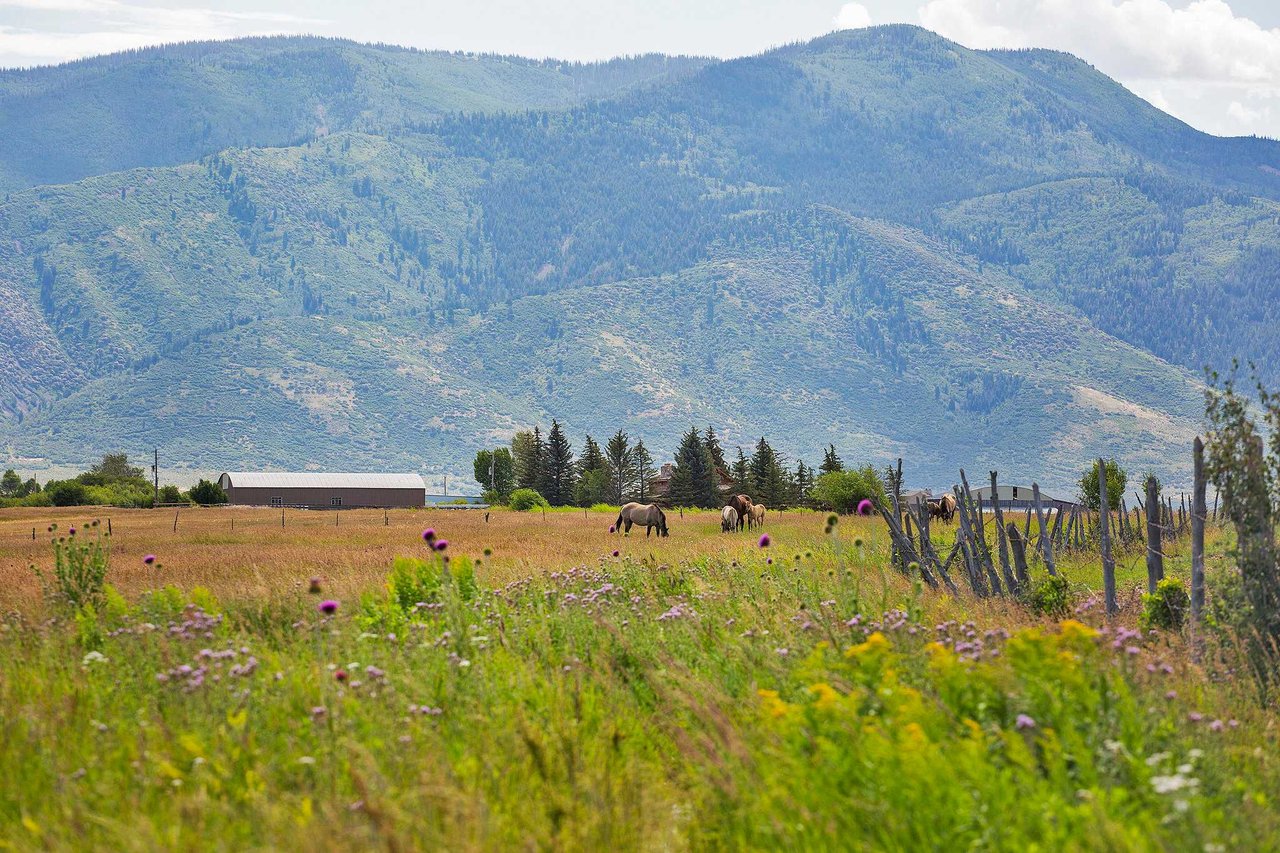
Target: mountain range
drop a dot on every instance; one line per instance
(298, 252)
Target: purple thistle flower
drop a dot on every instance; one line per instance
(769, 561)
(615, 552)
(1217, 726)
(865, 507)
(340, 675)
(613, 528)
(328, 607)
(441, 544)
(71, 531)
(764, 540)
(1024, 722)
(1195, 716)
(149, 559)
(429, 534)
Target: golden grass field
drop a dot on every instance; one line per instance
(243, 553)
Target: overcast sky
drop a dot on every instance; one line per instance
(1213, 63)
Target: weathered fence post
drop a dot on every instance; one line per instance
(108, 525)
(1198, 512)
(282, 518)
(1104, 536)
(1014, 584)
(1019, 548)
(1155, 556)
(175, 520)
(1046, 546)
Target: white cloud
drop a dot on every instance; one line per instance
(852, 16)
(1187, 59)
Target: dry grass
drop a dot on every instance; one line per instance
(243, 553)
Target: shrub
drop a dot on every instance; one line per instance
(67, 493)
(1117, 479)
(523, 500)
(207, 493)
(1051, 597)
(1167, 607)
(842, 491)
(170, 494)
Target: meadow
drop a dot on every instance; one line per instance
(700, 691)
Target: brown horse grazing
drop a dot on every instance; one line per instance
(946, 507)
(935, 508)
(728, 519)
(757, 515)
(650, 515)
(742, 504)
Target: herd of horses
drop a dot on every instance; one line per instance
(737, 514)
(740, 512)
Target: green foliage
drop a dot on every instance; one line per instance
(1117, 480)
(67, 493)
(1051, 596)
(494, 470)
(80, 562)
(170, 494)
(693, 478)
(207, 493)
(11, 485)
(558, 474)
(1167, 607)
(843, 490)
(592, 487)
(523, 500)
(1247, 474)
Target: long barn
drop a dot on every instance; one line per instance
(316, 490)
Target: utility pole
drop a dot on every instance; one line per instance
(155, 473)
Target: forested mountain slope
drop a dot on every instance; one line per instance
(878, 238)
(173, 104)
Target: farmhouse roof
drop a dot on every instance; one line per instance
(320, 480)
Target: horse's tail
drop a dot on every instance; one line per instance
(617, 525)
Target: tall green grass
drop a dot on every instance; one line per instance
(811, 703)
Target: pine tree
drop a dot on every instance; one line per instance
(803, 484)
(830, 461)
(593, 475)
(620, 456)
(643, 471)
(741, 473)
(766, 475)
(558, 473)
(691, 483)
(714, 449)
(527, 451)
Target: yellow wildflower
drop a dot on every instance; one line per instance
(827, 695)
(1073, 629)
(773, 705)
(875, 643)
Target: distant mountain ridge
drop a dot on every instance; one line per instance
(878, 238)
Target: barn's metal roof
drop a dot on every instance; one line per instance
(320, 480)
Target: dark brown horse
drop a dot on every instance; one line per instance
(742, 505)
(650, 515)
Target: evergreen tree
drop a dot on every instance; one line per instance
(557, 468)
(741, 473)
(691, 483)
(10, 484)
(643, 471)
(528, 451)
(767, 478)
(714, 449)
(592, 475)
(803, 484)
(620, 456)
(830, 461)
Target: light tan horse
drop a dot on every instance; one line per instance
(757, 515)
(728, 519)
(650, 515)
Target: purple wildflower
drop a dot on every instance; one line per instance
(1195, 716)
(328, 607)
(340, 675)
(149, 559)
(764, 540)
(441, 544)
(429, 534)
(1217, 726)
(613, 528)
(615, 552)
(1024, 722)
(864, 507)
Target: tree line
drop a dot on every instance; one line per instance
(701, 474)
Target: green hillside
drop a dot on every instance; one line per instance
(174, 104)
(878, 239)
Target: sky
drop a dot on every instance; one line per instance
(1213, 63)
